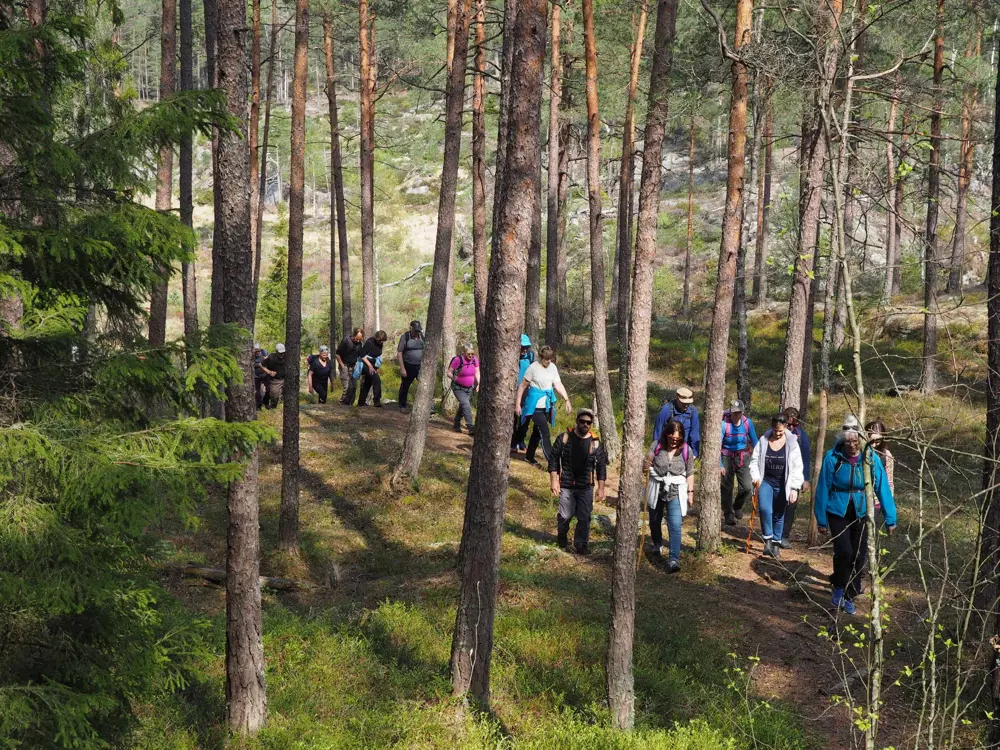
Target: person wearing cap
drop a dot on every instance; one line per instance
(776, 471)
(536, 402)
(274, 372)
(794, 427)
(681, 407)
(525, 359)
(577, 462)
(738, 440)
(409, 354)
(371, 360)
(348, 352)
(840, 504)
(259, 376)
(320, 374)
(463, 372)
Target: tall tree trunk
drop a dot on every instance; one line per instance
(689, 243)
(809, 341)
(966, 163)
(929, 381)
(331, 98)
(480, 259)
(552, 301)
(710, 521)
(532, 299)
(218, 274)
(246, 694)
(253, 136)
(258, 218)
(486, 497)
(743, 386)
(510, 10)
(828, 34)
(416, 436)
(897, 202)
(165, 166)
(621, 683)
(891, 217)
(189, 279)
(564, 152)
(764, 203)
(288, 518)
(598, 305)
(448, 335)
(367, 156)
(626, 178)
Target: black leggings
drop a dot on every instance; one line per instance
(541, 434)
(412, 373)
(372, 383)
(850, 550)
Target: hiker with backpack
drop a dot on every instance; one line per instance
(738, 440)
(794, 426)
(410, 355)
(840, 504)
(371, 364)
(463, 371)
(876, 439)
(525, 360)
(273, 367)
(320, 373)
(259, 376)
(577, 462)
(670, 462)
(681, 407)
(347, 354)
(536, 403)
(776, 471)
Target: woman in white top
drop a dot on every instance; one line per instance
(776, 470)
(542, 383)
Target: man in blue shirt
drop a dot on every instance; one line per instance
(681, 407)
(738, 441)
(795, 427)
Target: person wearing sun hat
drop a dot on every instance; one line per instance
(681, 407)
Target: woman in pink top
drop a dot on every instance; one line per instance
(464, 373)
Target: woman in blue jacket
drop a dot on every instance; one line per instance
(840, 505)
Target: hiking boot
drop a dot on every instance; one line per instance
(562, 542)
(472, 432)
(738, 513)
(457, 428)
(378, 406)
(771, 549)
(785, 544)
(585, 551)
(531, 461)
(657, 550)
(673, 566)
(730, 519)
(404, 410)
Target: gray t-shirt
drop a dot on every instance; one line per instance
(666, 465)
(412, 348)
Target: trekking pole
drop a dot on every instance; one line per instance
(753, 512)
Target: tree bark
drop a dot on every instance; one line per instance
(480, 259)
(828, 34)
(288, 517)
(510, 9)
(532, 299)
(809, 327)
(367, 156)
(620, 680)
(966, 163)
(552, 301)
(416, 436)
(626, 178)
(189, 279)
(744, 390)
(254, 133)
(564, 152)
(246, 694)
(598, 305)
(764, 203)
(891, 217)
(897, 202)
(165, 166)
(486, 497)
(331, 98)
(258, 218)
(710, 520)
(218, 275)
(689, 244)
(929, 380)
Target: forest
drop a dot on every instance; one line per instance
(274, 255)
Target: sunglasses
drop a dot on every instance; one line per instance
(585, 421)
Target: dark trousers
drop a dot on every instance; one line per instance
(786, 532)
(370, 382)
(577, 503)
(412, 373)
(273, 387)
(541, 434)
(259, 389)
(464, 397)
(347, 380)
(320, 386)
(736, 473)
(516, 437)
(850, 551)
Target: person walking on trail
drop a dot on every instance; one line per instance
(541, 382)
(794, 427)
(525, 359)
(320, 373)
(259, 376)
(348, 352)
(463, 371)
(409, 354)
(840, 505)
(273, 367)
(681, 407)
(371, 365)
(670, 462)
(776, 471)
(577, 463)
(738, 439)
(876, 439)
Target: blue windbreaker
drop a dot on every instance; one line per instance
(689, 418)
(742, 436)
(840, 483)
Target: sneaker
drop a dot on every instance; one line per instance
(730, 519)
(771, 549)
(521, 447)
(378, 406)
(739, 513)
(457, 428)
(585, 551)
(472, 432)
(673, 566)
(838, 598)
(785, 544)
(531, 461)
(848, 607)
(404, 410)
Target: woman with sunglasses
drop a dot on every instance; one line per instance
(776, 471)
(670, 462)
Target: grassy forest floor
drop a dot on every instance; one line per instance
(727, 652)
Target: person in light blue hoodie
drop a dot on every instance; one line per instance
(840, 505)
(525, 360)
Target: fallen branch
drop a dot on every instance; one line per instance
(217, 575)
(409, 276)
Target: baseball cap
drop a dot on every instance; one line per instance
(525, 340)
(685, 396)
(736, 405)
(280, 348)
(415, 325)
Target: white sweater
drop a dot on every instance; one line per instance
(794, 475)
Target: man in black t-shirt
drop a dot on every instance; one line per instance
(348, 353)
(274, 376)
(577, 462)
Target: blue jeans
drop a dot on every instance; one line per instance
(771, 503)
(672, 510)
